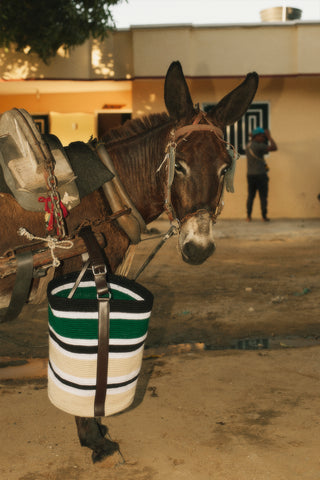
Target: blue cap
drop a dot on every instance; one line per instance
(257, 131)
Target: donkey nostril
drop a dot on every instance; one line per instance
(196, 254)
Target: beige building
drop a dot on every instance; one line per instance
(100, 85)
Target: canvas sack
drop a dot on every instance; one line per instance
(23, 155)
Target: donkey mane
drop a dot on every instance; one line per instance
(134, 129)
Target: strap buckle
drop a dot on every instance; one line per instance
(99, 269)
(104, 296)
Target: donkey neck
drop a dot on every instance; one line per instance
(136, 159)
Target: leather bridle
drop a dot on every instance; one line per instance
(182, 133)
(177, 136)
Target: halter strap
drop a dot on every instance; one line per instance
(183, 132)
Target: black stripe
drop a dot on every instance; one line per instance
(91, 305)
(90, 387)
(73, 348)
(82, 349)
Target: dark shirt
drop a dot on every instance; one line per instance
(255, 152)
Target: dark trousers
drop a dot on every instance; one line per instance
(260, 183)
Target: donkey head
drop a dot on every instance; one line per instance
(201, 159)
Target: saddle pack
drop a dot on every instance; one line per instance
(24, 154)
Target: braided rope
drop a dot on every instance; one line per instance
(52, 243)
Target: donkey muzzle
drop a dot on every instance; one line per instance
(196, 241)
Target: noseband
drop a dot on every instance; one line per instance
(176, 137)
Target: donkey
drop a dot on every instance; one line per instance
(187, 185)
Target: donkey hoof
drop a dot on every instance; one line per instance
(105, 451)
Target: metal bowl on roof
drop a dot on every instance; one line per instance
(280, 14)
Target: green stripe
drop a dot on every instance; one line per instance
(88, 328)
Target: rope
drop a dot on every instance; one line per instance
(172, 231)
(52, 243)
(125, 265)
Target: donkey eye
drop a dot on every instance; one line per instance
(179, 168)
(224, 171)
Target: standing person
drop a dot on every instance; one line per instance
(257, 176)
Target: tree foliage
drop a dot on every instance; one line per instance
(43, 26)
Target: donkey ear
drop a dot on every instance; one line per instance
(176, 93)
(231, 108)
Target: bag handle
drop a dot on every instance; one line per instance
(99, 270)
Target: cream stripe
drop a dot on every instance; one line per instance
(67, 389)
(79, 356)
(84, 406)
(92, 381)
(88, 367)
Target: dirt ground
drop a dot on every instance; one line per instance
(206, 407)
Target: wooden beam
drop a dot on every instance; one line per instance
(42, 255)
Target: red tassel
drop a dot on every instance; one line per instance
(49, 209)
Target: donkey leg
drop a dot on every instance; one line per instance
(92, 435)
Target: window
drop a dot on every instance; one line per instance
(237, 134)
(109, 120)
(42, 122)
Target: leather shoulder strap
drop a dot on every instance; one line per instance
(99, 271)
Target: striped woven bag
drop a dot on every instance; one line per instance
(74, 339)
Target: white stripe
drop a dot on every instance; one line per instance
(93, 356)
(114, 355)
(89, 393)
(88, 284)
(94, 342)
(114, 286)
(75, 341)
(94, 315)
(129, 315)
(127, 341)
(61, 288)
